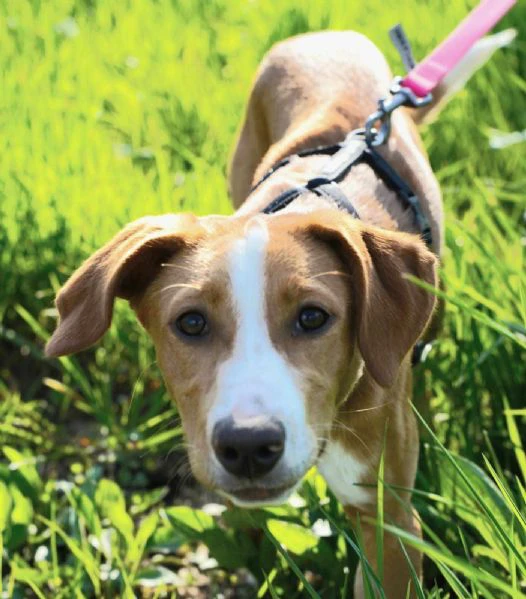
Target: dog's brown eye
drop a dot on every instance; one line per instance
(311, 319)
(192, 324)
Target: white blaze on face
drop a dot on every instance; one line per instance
(256, 379)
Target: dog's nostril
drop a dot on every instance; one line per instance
(264, 452)
(230, 453)
(268, 452)
(249, 449)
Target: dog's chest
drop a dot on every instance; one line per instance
(344, 475)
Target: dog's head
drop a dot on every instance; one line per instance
(262, 326)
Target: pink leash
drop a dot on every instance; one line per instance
(415, 88)
(426, 75)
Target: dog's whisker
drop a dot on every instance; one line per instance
(178, 286)
(184, 445)
(180, 466)
(331, 272)
(346, 428)
(173, 449)
(184, 480)
(183, 467)
(184, 472)
(162, 428)
(180, 266)
(172, 422)
(370, 409)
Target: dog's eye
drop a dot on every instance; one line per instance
(311, 319)
(192, 324)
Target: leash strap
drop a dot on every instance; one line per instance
(426, 75)
(415, 88)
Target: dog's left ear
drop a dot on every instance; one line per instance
(124, 267)
(390, 311)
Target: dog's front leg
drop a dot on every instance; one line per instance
(352, 473)
(394, 572)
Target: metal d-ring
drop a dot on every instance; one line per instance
(400, 96)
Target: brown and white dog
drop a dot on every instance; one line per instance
(285, 339)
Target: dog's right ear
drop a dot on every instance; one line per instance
(124, 267)
(390, 311)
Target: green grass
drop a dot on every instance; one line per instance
(113, 109)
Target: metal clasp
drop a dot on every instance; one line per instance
(400, 96)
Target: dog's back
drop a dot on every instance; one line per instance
(321, 81)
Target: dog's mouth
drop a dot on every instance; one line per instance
(252, 496)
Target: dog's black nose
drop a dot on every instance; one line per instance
(249, 448)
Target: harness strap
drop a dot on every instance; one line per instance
(324, 150)
(283, 200)
(408, 197)
(321, 187)
(343, 157)
(353, 150)
(350, 152)
(330, 189)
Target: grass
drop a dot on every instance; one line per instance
(112, 110)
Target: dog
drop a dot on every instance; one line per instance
(285, 339)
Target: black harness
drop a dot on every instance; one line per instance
(352, 151)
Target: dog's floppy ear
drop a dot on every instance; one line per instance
(122, 268)
(391, 312)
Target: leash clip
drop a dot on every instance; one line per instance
(400, 96)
